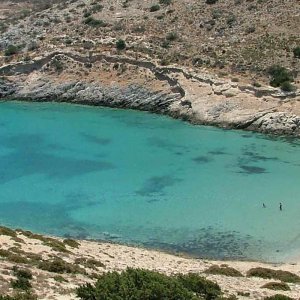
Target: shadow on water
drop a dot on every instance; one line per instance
(202, 159)
(251, 170)
(96, 140)
(31, 155)
(156, 185)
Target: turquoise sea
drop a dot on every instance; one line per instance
(144, 179)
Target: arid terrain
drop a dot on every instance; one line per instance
(59, 266)
(209, 62)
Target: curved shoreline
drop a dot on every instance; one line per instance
(197, 98)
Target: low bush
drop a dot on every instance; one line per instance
(296, 52)
(94, 22)
(287, 86)
(172, 36)
(22, 273)
(89, 263)
(280, 286)
(59, 278)
(72, 243)
(21, 283)
(11, 50)
(149, 285)
(226, 271)
(265, 273)
(7, 231)
(59, 266)
(211, 1)
(278, 297)
(154, 8)
(165, 2)
(120, 44)
(200, 286)
(279, 75)
(20, 296)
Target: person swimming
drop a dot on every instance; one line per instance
(264, 205)
(280, 206)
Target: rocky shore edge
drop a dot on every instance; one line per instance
(199, 98)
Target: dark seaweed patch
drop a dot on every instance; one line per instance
(156, 185)
(254, 156)
(96, 140)
(165, 144)
(213, 244)
(217, 152)
(252, 170)
(202, 159)
(31, 155)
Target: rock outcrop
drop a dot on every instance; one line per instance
(118, 81)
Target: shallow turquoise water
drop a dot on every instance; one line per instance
(135, 177)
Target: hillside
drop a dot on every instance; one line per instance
(209, 62)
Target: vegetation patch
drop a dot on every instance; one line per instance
(265, 273)
(11, 50)
(7, 231)
(20, 296)
(226, 271)
(91, 21)
(89, 263)
(56, 245)
(278, 297)
(144, 284)
(280, 77)
(280, 286)
(59, 266)
(71, 243)
(154, 8)
(60, 279)
(120, 44)
(296, 52)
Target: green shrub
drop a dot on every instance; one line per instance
(211, 1)
(22, 273)
(20, 296)
(59, 266)
(7, 231)
(276, 286)
(59, 278)
(89, 262)
(165, 2)
(94, 22)
(279, 75)
(120, 44)
(148, 285)
(11, 50)
(21, 283)
(274, 274)
(72, 243)
(278, 297)
(154, 8)
(296, 52)
(226, 271)
(200, 286)
(172, 36)
(286, 86)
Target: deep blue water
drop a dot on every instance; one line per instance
(150, 180)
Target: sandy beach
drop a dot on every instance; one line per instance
(106, 257)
